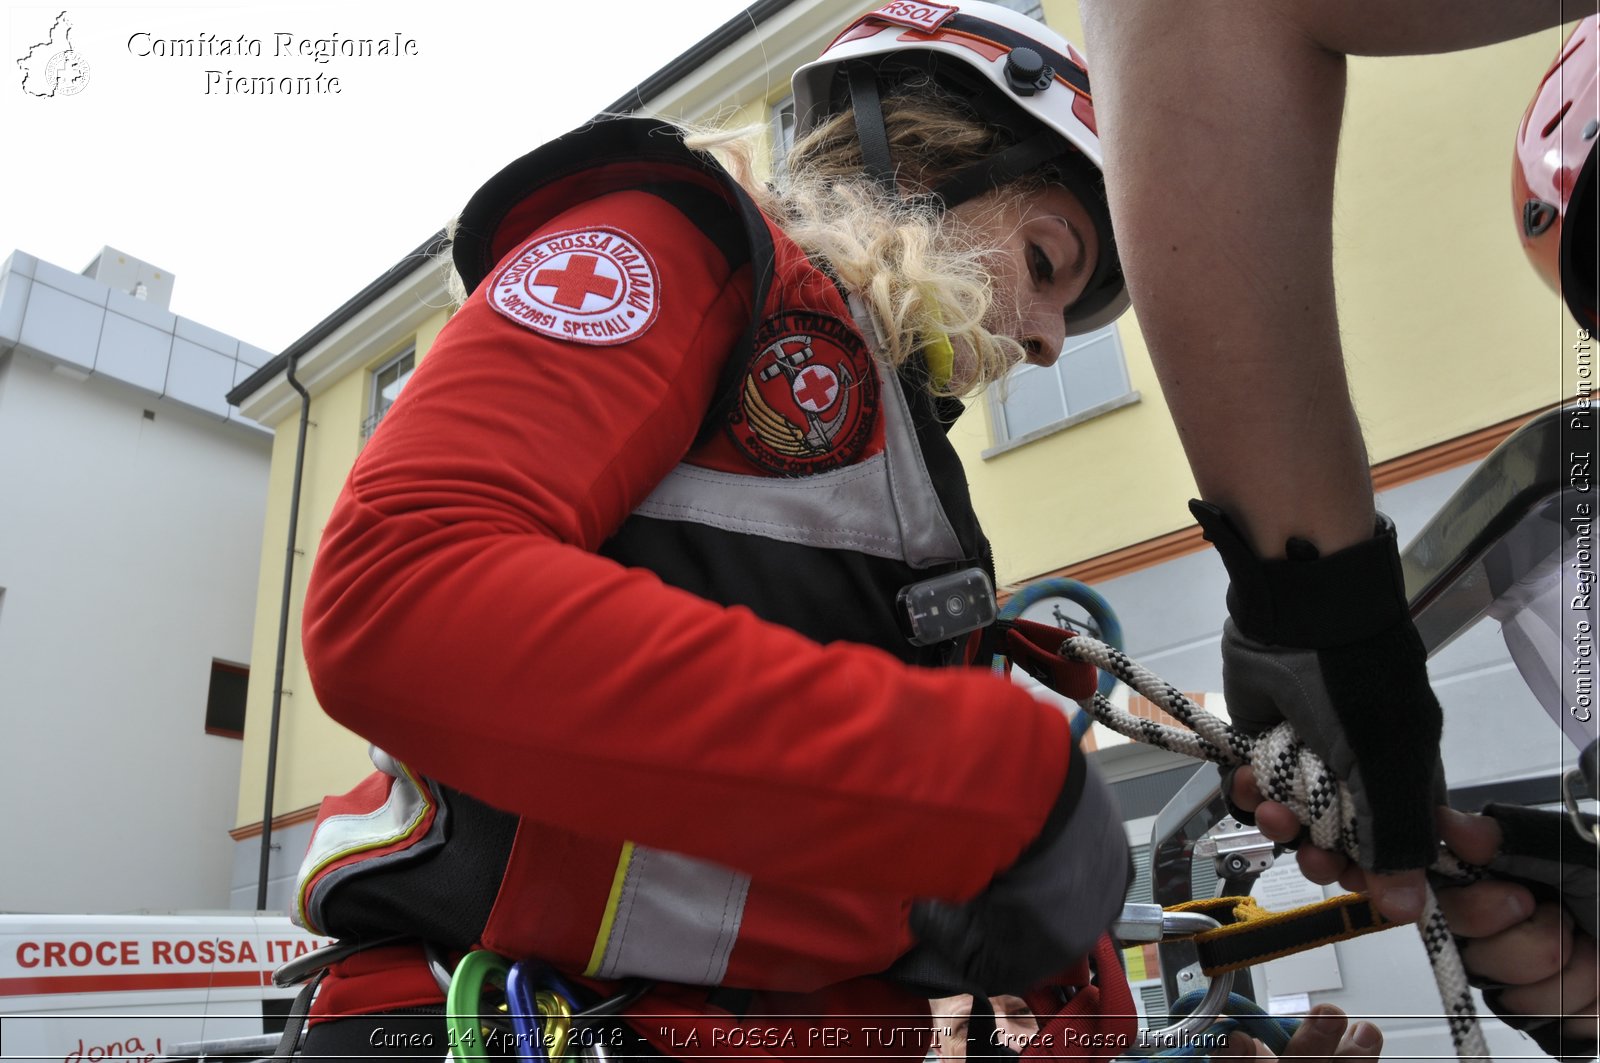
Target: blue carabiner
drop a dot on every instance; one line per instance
(1238, 1013)
(525, 1016)
(541, 1006)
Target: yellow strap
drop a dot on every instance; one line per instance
(941, 359)
(1251, 934)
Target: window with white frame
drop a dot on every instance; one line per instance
(1090, 378)
(387, 380)
(225, 699)
(782, 120)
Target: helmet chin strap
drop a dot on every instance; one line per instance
(873, 136)
(985, 175)
(870, 129)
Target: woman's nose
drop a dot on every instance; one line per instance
(1045, 340)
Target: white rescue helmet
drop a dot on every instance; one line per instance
(1017, 73)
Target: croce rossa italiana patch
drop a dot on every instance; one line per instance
(594, 286)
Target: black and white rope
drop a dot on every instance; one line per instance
(1286, 771)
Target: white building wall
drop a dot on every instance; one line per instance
(130, 536)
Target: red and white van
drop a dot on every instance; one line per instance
(127, 988)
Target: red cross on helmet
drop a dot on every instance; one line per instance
(1552, 175)
(1028, 79)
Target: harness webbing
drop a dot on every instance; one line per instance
(1250, 934)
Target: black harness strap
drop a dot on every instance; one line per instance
(870, 129)
(1001, 169)
(295, 1022)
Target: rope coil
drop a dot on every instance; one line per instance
(1286, 771)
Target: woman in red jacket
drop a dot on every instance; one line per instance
(656, 589)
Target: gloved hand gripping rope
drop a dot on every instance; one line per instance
(1288, 772)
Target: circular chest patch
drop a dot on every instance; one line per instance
(595, 286)
(810, 398)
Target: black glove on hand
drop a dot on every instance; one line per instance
(1039, 915)
(1327, 643)
(1542, 850)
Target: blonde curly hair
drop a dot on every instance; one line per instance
(921, 271)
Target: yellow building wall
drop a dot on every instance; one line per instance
(315, 755)
(1446, 328)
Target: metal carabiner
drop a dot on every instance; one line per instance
(555, 1012)
(607, 1010)
(1569, 799)
(468, 1035)
(541, 1017)
(1149, 923)
(531, 1046)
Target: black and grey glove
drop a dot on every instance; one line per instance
(1543, 850)
(1038, 916)
(1327, 643)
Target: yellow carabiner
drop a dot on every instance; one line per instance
(555, 1016)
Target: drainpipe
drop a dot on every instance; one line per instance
(283, 634)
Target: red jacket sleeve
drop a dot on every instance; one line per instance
(458, 617)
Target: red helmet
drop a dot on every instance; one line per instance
(1552, 176)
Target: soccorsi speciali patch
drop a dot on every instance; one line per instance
(595, 286)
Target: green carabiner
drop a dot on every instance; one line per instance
(468, 1036)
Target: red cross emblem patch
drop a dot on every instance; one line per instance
(594, 286)
(810, 399)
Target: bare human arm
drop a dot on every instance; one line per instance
(1220, 121)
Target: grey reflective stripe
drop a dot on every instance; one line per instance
(925, 529)
(337, 837)
(885, 506)
(929, 537)
(676, 919)
(785, 509)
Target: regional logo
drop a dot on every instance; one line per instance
(54, 67)
(594, 286)
(810, 398)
